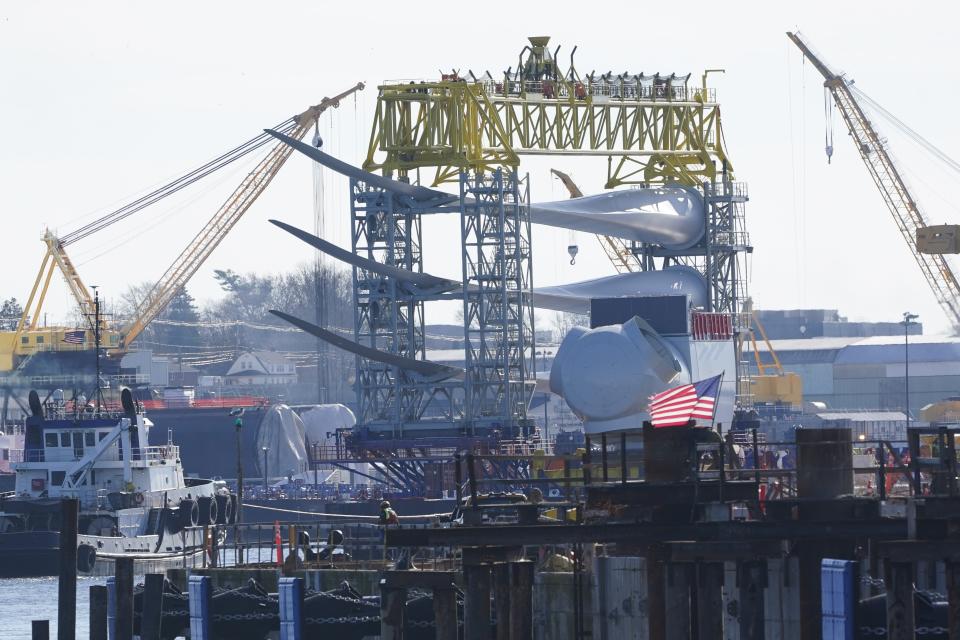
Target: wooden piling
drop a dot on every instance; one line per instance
(753, 579)
(67, 586)
(152, 609)
(445, 613)
(677, 601)
(393, 611)
(521, 600)
(124, 587)
(476, 605)
(899, 580)
(709, 600)
(98, 612)
(656, 604)
(501, 599)
(40, 630)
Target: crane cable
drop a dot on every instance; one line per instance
(176, 185)
(902, 126)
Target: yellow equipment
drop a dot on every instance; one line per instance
(778, 386)
(617, 249)
(897, 196)
(651, 129)
(28, 338)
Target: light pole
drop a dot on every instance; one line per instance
(237, 413)
(265, 450)
(908, 319)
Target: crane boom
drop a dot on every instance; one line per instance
(893, 188)
(200, 248)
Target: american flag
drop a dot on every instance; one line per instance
(75, 337)
(675, 407)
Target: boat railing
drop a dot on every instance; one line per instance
(145, 454)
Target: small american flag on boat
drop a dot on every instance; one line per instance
(676, 407)
(75, 337)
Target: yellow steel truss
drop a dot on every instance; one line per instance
(662, 134)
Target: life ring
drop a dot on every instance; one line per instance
(138, 498)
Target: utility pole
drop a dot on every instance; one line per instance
(908, 319)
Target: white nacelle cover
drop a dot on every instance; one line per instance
(610, 372)
(325, 419)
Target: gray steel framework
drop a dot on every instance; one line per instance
(497, 300)
(385, 228)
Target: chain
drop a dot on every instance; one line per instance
(881, 632)
(873, 582)
(343, 620)
(241, 617)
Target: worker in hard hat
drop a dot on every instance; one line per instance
(387, 515)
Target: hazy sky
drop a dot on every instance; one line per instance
(99, 101)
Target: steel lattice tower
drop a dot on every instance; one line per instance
(497, 300)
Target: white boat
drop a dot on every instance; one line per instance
(134, 498)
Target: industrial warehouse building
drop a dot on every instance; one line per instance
(847, 373)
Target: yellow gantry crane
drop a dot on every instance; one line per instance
(901, 203)
(30, 338)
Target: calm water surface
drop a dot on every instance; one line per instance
(26, 599)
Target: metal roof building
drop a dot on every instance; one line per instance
(869, 373)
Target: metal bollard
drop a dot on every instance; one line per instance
(111, 608)
(199, 592)
(291, 608)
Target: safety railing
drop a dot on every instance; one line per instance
(72, 454)
(627, 88)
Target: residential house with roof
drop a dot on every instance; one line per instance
(261, 368)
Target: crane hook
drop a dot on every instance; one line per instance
(573, 250)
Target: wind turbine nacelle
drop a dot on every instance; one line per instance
(606, 375)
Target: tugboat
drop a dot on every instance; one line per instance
(134, 499)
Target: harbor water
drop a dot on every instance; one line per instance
(26, 599)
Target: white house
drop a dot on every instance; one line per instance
(259, 368)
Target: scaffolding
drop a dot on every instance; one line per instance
(497, 301)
